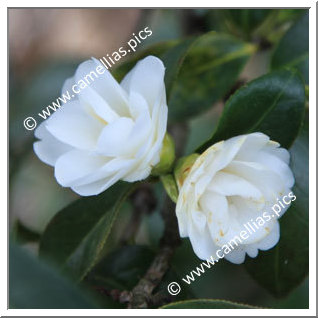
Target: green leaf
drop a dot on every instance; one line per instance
(246, 20)
(173, 59)
(209, 69)
(273, 104)
(122, 268)
(76, 235)
(22, 234)
(35, 285)
(283, 268)
(293, 49)
(206, 304)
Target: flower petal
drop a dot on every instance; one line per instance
(201, 242)
(75, 127)
(236, 256)
(103, 85)
(114, 137)
(229, 184)
(48, 149)
(76, 164)
(147, 79)
(67, 88)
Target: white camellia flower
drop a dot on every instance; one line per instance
(109, 131)
(230, 185)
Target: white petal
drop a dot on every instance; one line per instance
(251, 250)
(94, 188)
(98, 187)
(261, 177)
(137, 175)
(73, 126)
(222, 153)
(75, 165)
(104, 85)
(271, 239)
(199, 220)
(48, 149)
(115, 137)
(281, 153)
(67, 88)
(149, 152)
(109, 169)
(215, 207)
(97, 107)
(147, 79)
(236, 256)
(277, 165)
(201, 242)
(228, 184)
(253, 143)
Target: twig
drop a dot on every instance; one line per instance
(141, 296)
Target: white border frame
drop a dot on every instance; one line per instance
(312, 162)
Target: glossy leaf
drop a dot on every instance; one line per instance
(206, 304)
(35, 285)
(293, 49)
(283, 268)
(76, 235)
(272, 104)
(173, 59)
(246, 20)
(122, 268)
(210, 68)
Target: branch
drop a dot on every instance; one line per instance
(141, 296)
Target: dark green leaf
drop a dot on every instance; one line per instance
(272, 104)
(246, 20)
(122, 269)
(35, 285)
(293, 49)
(283, 268)
(22, 234)
(210, 68)
(206, 304)
(173, 59)
(76, 235)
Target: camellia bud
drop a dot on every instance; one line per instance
(167, 157)
(169, 184)
(183, 168)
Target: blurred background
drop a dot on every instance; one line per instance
(45, 47)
